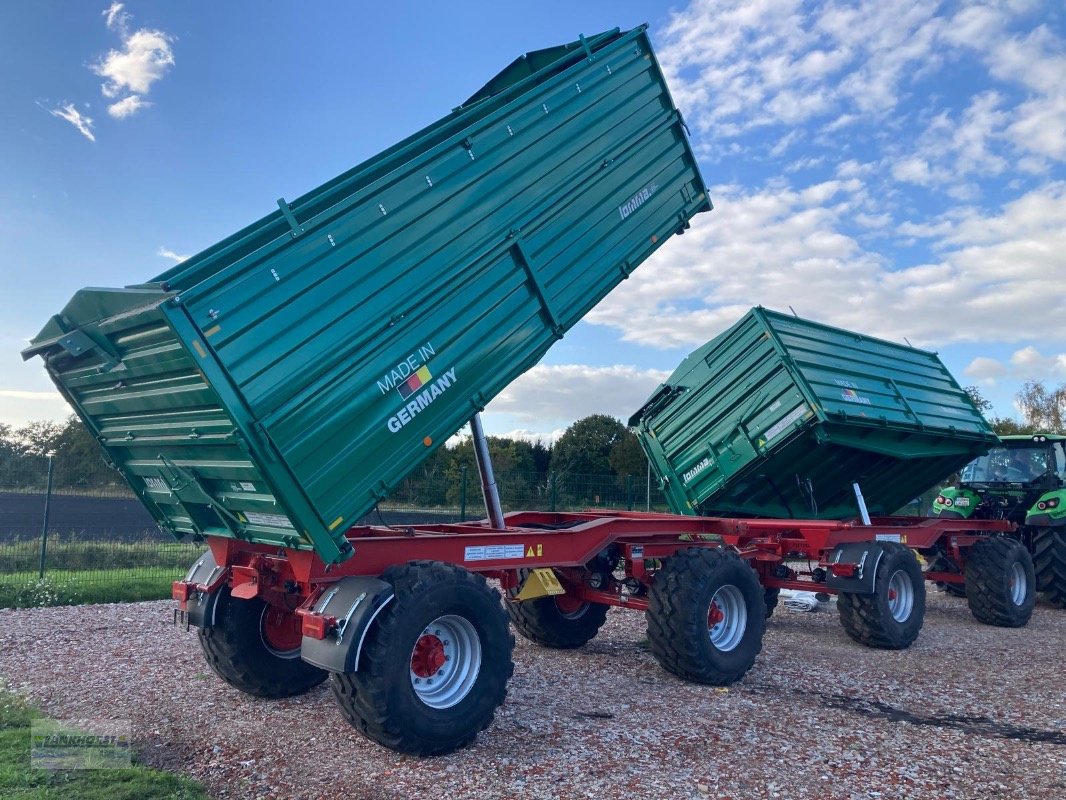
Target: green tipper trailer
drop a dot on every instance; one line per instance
(778, 416)
(275, 386)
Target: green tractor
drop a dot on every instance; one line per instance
(1023, 480)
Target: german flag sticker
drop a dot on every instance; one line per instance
(415, 382)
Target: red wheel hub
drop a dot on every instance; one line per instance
(568, 604)
(892, 594)
(281, 629)
(428, 656)
(714, 616)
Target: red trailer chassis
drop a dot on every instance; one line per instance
(568, 542)
(418, 649)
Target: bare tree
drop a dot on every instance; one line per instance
(1044, 409)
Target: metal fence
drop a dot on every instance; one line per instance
(71, 531)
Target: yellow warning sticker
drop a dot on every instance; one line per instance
(535, 551)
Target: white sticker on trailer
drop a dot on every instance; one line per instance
(888, 537)
(270, 520)
(493, 552)
(783, 423)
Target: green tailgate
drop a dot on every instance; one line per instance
(275, 386)
(778, 416)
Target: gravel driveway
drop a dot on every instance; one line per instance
(968, 711)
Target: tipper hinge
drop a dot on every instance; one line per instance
(286, 211)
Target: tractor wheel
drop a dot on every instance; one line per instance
(1000, 582)
(891, 617)
(435, 663)
(557, 621)
(255, 647)
(1049, 561)
(770, 597)
(706, 616)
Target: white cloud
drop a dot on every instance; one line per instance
(556, 395)
(127, 106)
(145, 57)
(1028, 363)
(82, 122)
(166, 252)
(780, 246)
(115, 18)
(18, 406)
(985, 369)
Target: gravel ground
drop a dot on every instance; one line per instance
(968, 711)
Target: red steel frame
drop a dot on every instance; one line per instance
(567, 542)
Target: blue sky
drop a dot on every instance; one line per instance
(892, 167)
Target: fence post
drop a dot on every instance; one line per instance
(462, 495)
(553, 490)
(44, 523)
(629, 492)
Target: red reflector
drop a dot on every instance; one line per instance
(316, 627)
(180, 591)
(1041, 505)
(843, 570)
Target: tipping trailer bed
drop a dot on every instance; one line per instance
(276, 386)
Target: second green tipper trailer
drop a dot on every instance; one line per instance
(779, 416)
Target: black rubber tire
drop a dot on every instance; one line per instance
(989, 569)
(952, 589)
(868, 619)
(678, 607)
(770, 597)
(544, 623)
(234, 648)
(1049, 562)
(379, 699)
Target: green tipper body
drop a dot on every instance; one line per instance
(778, 416)
(276, 385)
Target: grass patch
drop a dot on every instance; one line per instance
(71, 587)
(18, 779)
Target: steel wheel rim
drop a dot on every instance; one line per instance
(287, 653)
(1019, 584)
(727, 618)
(900, 596)
(445, 661)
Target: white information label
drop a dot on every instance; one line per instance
(272, 520)
(784, 422)
(888, 537)
(493, 552)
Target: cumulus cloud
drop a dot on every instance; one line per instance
(127, 106)
(166, 252)
(784, 246)
(1028, 363)
(558, 394)
(144, 58)
(82, 122)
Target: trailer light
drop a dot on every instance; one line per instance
(1040, 438)
(946, 501)
(1043, 505)
(180, 591)
(317, 627)
(843, 570)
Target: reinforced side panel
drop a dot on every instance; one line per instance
(306, 364)
(779, 415)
